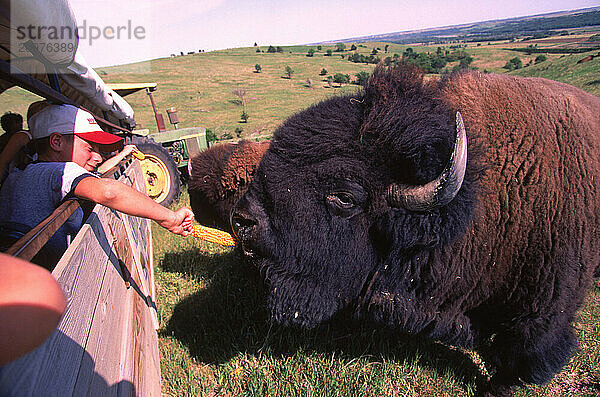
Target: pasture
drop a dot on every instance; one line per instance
(215, 338)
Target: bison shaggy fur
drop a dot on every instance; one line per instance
(219, 177)
(501, 268)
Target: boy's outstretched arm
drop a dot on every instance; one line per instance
(121, 197)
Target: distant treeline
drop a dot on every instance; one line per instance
(505, 30)
(429, 62)
(535, 50)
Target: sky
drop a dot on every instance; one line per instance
(151, 29)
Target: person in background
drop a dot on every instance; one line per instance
(68, 142)
(12, 141)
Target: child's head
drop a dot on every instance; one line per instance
(11, 122)
(67, 133)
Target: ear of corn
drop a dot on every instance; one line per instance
(213, 235)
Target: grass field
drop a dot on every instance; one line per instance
(215, 338)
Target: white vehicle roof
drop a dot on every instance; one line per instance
(78, 81)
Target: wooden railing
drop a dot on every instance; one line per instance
(106, 342)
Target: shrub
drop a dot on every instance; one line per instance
(328, 53)
(311, 52)
(341, 78)
(289, 71)
(271, 50)
(362, 77)
(238, 131)
(258, 68)
(244, 116)
(340, 47)
(513, 64)
(323, 72)
(540, 58)
(210, 136)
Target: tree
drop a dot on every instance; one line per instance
(244, 116)
(541, 58)
(257, 68)
(328, 53)
(279, 49)
(311, 52)
(340, 47)
(323, 72)
(319, 47)
(341, 78)
(289, 71)
(362, 77)
(240, 92)
(210, 136)
(255, 45)
(465, 62)
(353, 48)
(513, 64)
(271, 50)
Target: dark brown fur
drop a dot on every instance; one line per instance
(220, 176)
(502, 268)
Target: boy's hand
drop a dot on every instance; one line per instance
(128, 149)
(180, 223)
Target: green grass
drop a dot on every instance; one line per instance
(216, 340)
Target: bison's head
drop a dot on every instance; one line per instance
(219, 177)
(350, 190)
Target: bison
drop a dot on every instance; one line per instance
(464, 209)
(219, 177)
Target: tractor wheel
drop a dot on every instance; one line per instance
(160, 171)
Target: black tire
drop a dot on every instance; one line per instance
(161, 175)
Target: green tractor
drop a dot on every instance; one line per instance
(167, 152)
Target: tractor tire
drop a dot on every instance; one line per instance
(160, 171)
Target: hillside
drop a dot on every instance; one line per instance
(201, 85)
(495, 30)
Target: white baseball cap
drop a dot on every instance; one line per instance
(68, 119)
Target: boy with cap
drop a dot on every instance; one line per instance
(68, 140)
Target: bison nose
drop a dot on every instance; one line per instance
(243, 224)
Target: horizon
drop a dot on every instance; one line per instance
(172, 26)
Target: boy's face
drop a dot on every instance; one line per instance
(86, 154)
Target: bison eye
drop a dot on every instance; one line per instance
(342, 200)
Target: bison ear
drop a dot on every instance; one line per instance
(441, 190)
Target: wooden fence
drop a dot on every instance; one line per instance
(106, 343)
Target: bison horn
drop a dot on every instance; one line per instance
(441, 190)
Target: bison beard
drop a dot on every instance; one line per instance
(501, 267)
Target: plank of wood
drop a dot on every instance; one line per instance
(106, 343)
(29, 245)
